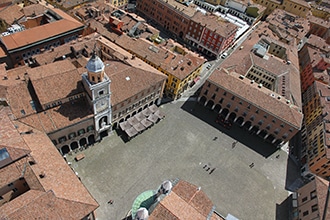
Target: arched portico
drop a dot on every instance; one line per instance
(91, 139)
(231, 116)
(82, 141)
(65, 149)
(247, 125)
(263, 133)
(239, 121)
(74, 145)
(217, 108)
(202, 100)
(209, 104)
(224, 112)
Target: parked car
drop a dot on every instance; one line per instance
(224, 55)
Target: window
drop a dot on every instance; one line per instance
(304, 199)
(72, 135)
(313, 194)
(101, 92)
(213, 96)
(62, 139)
(221, 101)
(81, 131)
(90, 128)
(314, 208)
(305, 213)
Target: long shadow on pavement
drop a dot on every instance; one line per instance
(243, 136)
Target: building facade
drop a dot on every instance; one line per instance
(311, 201)
(56, 28)
(296, 7)
(210, 34)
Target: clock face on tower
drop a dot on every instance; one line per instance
(100, 105)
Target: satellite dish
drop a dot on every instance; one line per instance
(166, 187)
(142, 214)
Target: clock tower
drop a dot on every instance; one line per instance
(97, 86)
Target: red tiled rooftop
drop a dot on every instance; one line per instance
(62, 74)
(319, 43)
(11, 13)
(215, 23)
(20, 100)
(185, 201)
(281, 20)
(59, 117)
(123, 76)
(174, 63)
(29, 36)
(260, 97)
(58, 195)
(242, 60)
(189, 11)
(33, 10)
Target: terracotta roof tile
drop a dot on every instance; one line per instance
(20, 100)
(8, 134)
(185, 201)
(318, 42)
(123, 76)
(215, 23)
(260, 97)
(285, 23)
(189, 11)
(34, 10)
(242, 60)
(60, 116)
(26, 37)
(174, 63)
(62, 74)
(59, 194)
(10, 13)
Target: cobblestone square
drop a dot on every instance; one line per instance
(184, 145)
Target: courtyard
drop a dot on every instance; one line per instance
(183, 146)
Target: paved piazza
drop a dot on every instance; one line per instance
(178, 147)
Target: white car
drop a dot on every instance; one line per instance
(224, 55)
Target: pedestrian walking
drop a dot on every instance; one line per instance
(215, 138)
(110, 202)
(212, 171)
